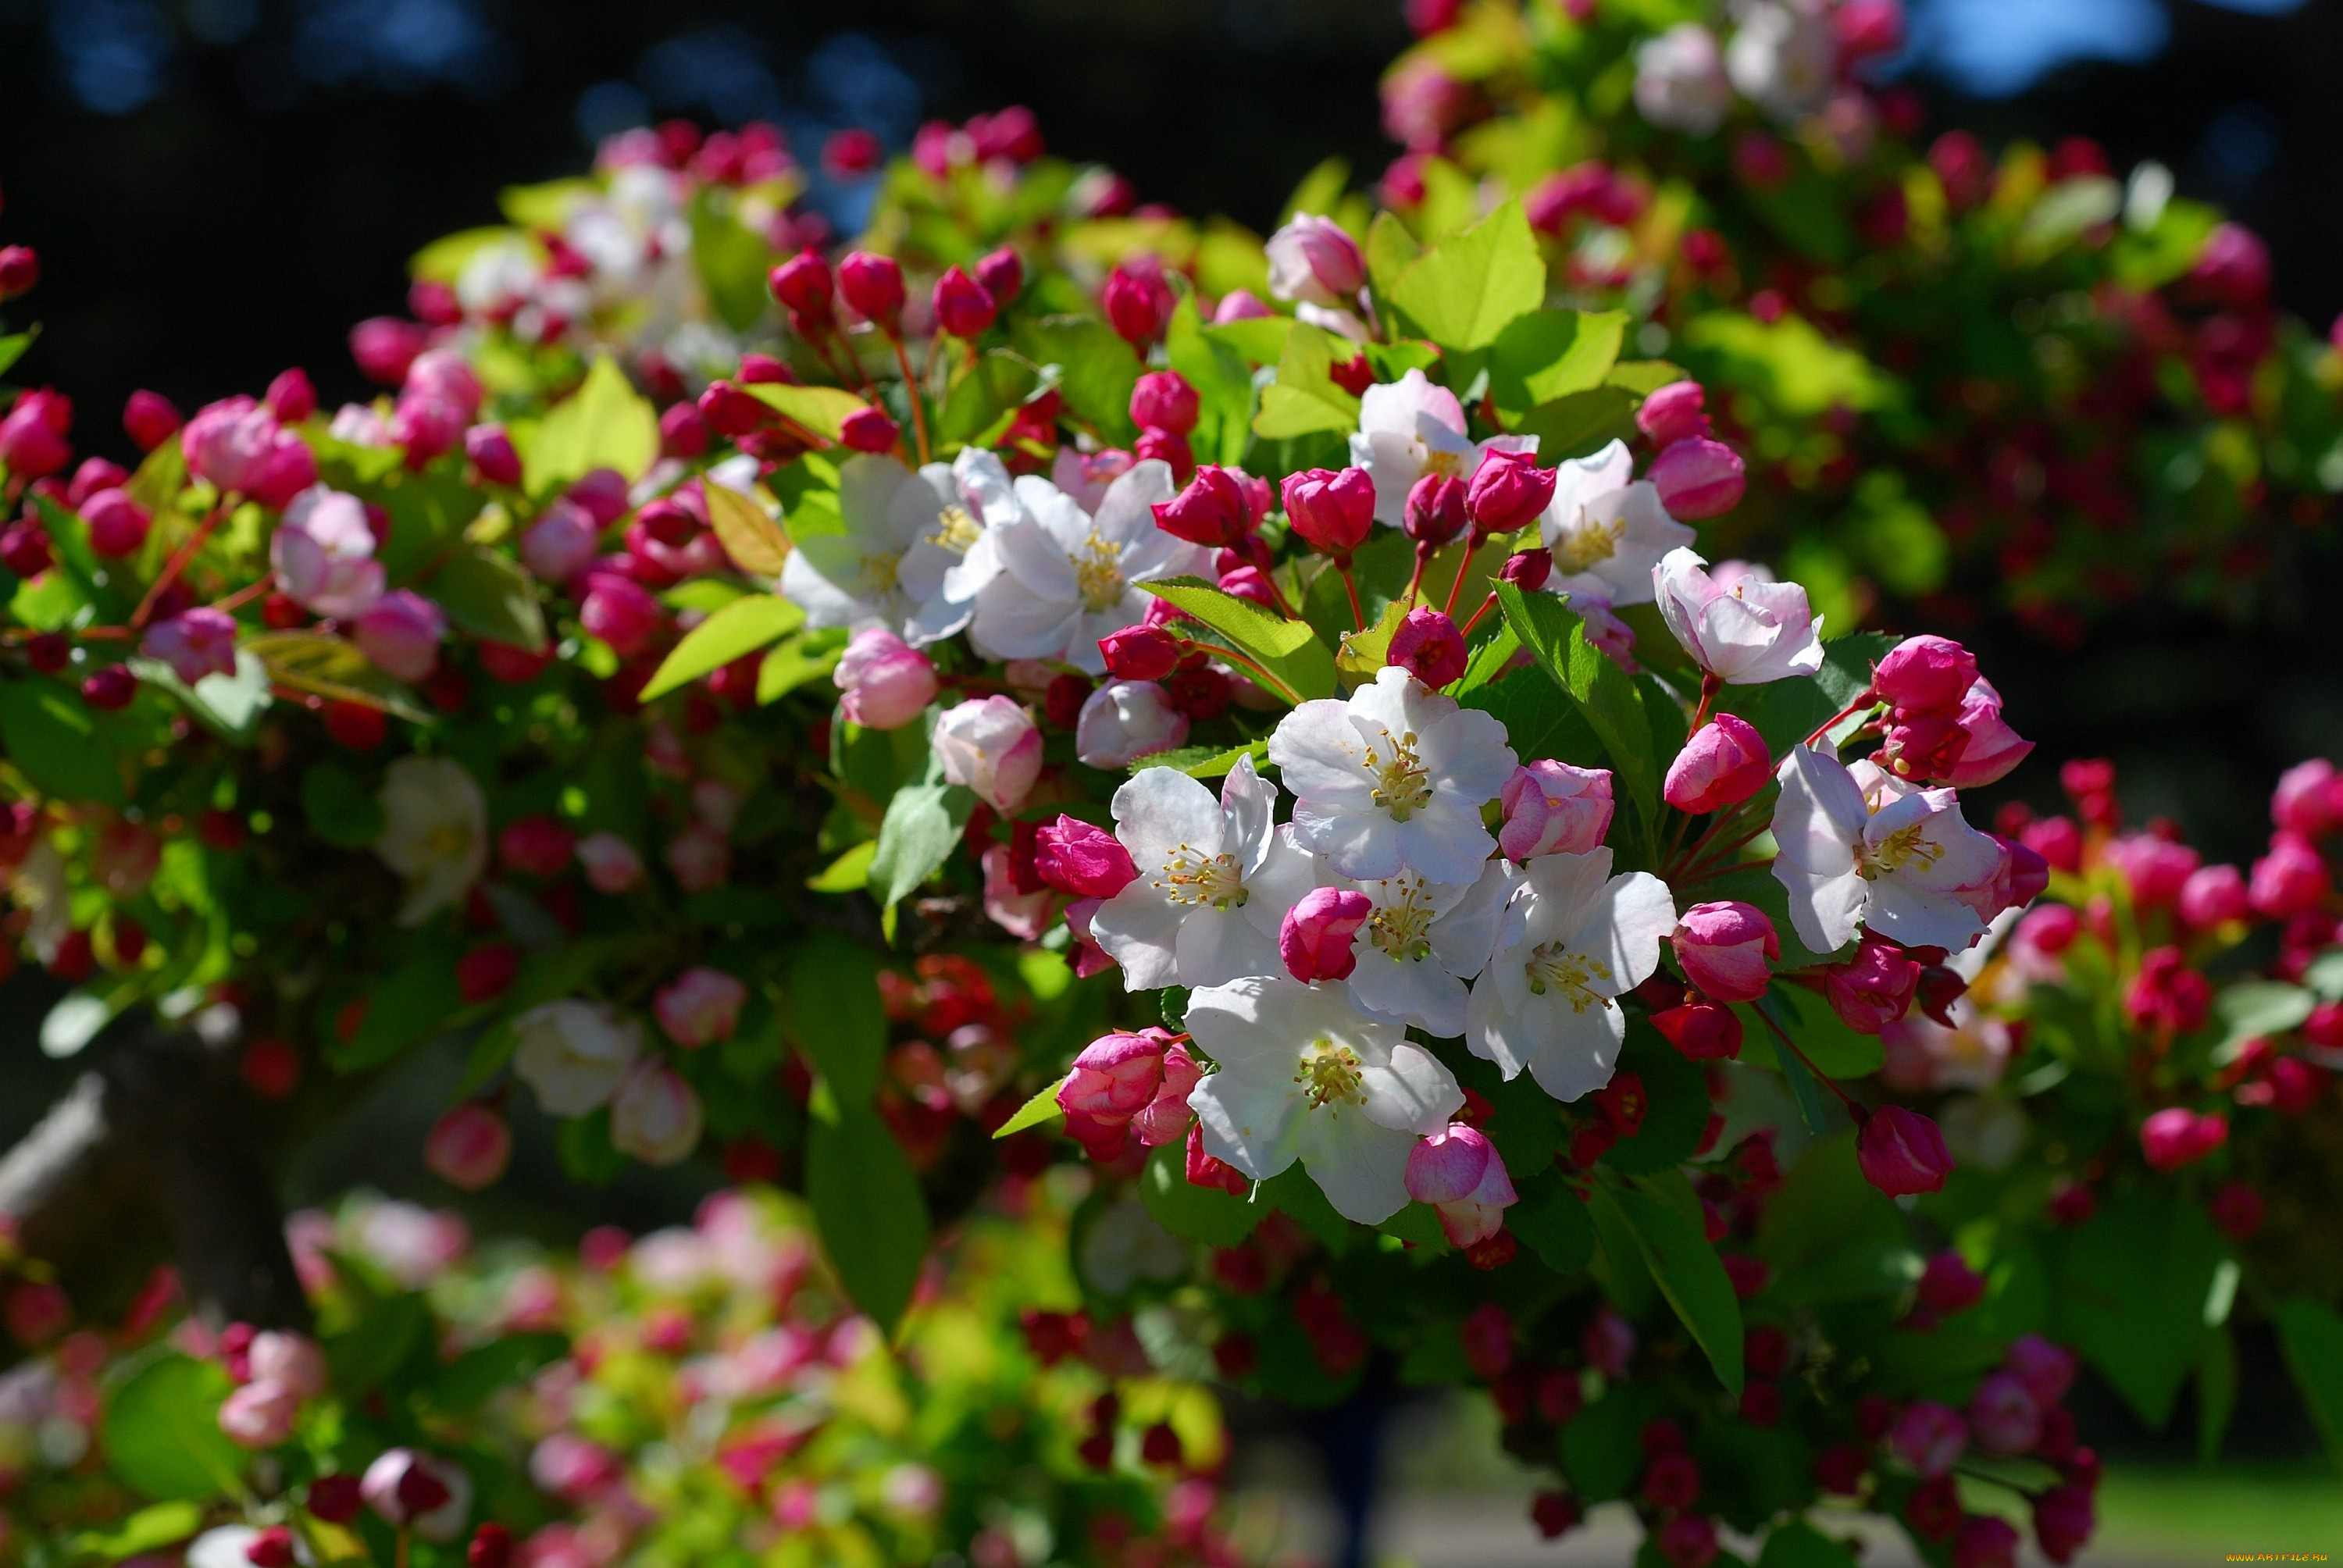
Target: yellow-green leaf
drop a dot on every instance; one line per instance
(1043, 1107)
(333, 667)
(823, 410)
(1299, 666)
(1470, 287)
(755, 543)
(737, 630)
(605, 424)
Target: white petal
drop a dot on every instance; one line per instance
(1140, 929)
(1161, 809)
(1361, 1167)
(1249, 1123)
(1825, 910)
(1576, 1052)
(1820, 816)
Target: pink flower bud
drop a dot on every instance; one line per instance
(1867, 28)
(683, 432)
(1333, 510)
(2003, 1415)
(1162, 400)
(1216, 508)
(491, 452)
(611, 864)
(962, 307)
(1702, 1030)
(1527, 569)
(2046, 1370)
(1115, 1078)
(2291, 879)
(622, 613)
(1698, 477)
(20, 270)
(1140, 652)
(699, 1007)
(33, 437)
(1901, 1152)
(401, 635)
(290, 396)
(1124, 720)
(1725, 763)
(93, 475)
(1872, 989)
(149, 419)
(117, 524)
(1553, 808)
(1428, 646)
(868, 430)
(194, 643)
(291, 1361)
(1993, 747)
(1929, 1438)
(2178, 1136)
(1673, 413)
(2212, 895)
(802, 285)
(1080, 859)
(561, 540)
(1926, 675)
(1689, 1541)
(289, 468)
(1723, 948)
(1948, 1285)
(1166, 1118)
(227, 442)
(469, 1146)
(25, 548)
(416, 1492)
(1315, 939)
(2308, 801)
(1984, 1542)
(1508, 491)
(884, 682)
(1138, 305)
(2234, 267)
(259, 1415)
(1436, 510)
(1003, 273)
(993, 745)
(1459, 1171)
(385, 346)
(872, 287)
(1312, 259)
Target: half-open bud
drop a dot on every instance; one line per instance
(1724, 947)
(1698, 477)
(1315, 939)
(1725, 763)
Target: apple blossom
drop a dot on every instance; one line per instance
(1680, 82)
(1304, 1075)
(1311, 259)
(1606, 530)
(1553, 808)
(401, 633)
(574, 1053)
(1745, 633)
(412, 1491)
(435, 832)
(915, 551)
(1782, 57)
(1929, 1438)
(1460, 1174)
(2004, 1416)
(1421, 941)
(699, 1007)
(1573, 937)
(1215, 879)
(611, 864)
(1124, 720)
(1857, 847)
(1411, 427)
(1068, 577)
(322, 552)
(259, 1415)
(561, 540)
(990, 745)
(884, 682)
(1394, 777)
(655, 1115)
(194, 643)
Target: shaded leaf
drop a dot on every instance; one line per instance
(488, 595)
(867, 1203)
(162, 1431)
(835, 1014)
(49, 733)
(921, 829)
(333, 667)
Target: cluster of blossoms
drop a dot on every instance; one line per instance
(698, 1383)
(2105, 406)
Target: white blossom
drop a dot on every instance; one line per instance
(915, 549)
(435, 832)
(1424, 942)
(1608, 529)
(1782, 58)
(574, 1053)
(1746, 630)
(1680, 82)
(1411, 427)
(1859, 847)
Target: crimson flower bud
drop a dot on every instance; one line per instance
(872, 286)
(1901, 1152)
(385, 348)
(2178, 1136)
(1698, 477)
(1508, 491)
(1162, 400)
(868, 430)
(683, 432)
(468, 1147)
(1527, 569)
(491, 452)
(1725, 763)
(1216, 510)
(110, 689)
(1003, 273)
(20, 269)
(150, 419)
(1672, 1480)
(802, 285)
(1335, 511)
(1925, 674)
(1556, 1514)
(1353, 375)
(491, 1547)
(1428, 646)
(1703, 1031)
(963, 306)
(1140, 653)
(1436, 510)
(1553, 808)
(24, 549)
(117, 524)
(1170, 448)
(336, 1498)
(732, 412)
(1984, 1542)
(1689, 1541)
(290, 396)
(1723, 948)
(1948, 1285)
(1138, 306)
(272, 1547)
(486, 971)
(1315, 939)
(1928, 1437)
(1081, 860)
(1872, 989)
(622, 613)
(1673, 413)
(536, 845)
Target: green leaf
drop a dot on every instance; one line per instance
(1299, 666)
(2312, 1337)
(1203, 1214)
(1256, 340)
(1205, 761)
(162, 1431)
(405, 1007)
(1390, 250)
(1361, 653)
(228, 705)
(334, 667)
(48, 732)
(1580, 422)
(1787, 362)
(489, 596)
(1605, 693)
(737, 630)
(835, 1014)
(848, 873)
(1470, 287)
(1601, 1452)
(1293, 1192)
(1551, 354)
(1043, 1107)
(2217, 1393)
(466, 1383)
(1319, 192)
(1804, 1089)
(795, 662)
(921, 829)
(823, 410)
(867, 1203)
(2258, 1008)
(1553, 1220)
(2132, 1287)
(730, 259)
(1643, 376)
(1685, 1268)
(1798, 1544)
(1096, 368)
(13, 346)
(1304, 399)
(340, 809)
(1676, 1105)
(1224, 384)
(605, 424)
(157, 1525)
(754, 541)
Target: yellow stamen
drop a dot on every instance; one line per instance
(1402, 928)
(1097, 573)
(1403, 784)
(1585, 543)
(1191, 877)
(1553, 967)
(955, 530)
(1329, 1075)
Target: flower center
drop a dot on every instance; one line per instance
(1553, 966)
(1097, 573)
(1401, 929)
(1329, 1074)
(447, 840)
(879, 572)
(1403, 783)
(955, 530)
(1900, 849)
(1587, 543)
(1447, 465)
(1191, 877)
